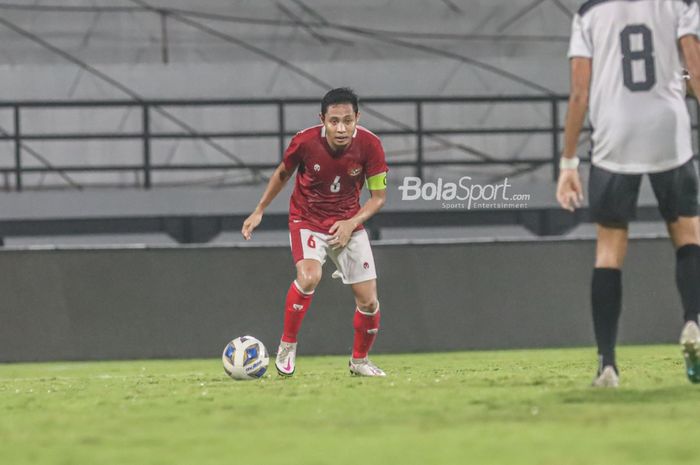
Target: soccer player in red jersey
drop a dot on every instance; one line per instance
(333, 160)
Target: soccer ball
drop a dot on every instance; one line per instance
(245, 358)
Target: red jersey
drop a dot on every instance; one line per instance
(328, 184)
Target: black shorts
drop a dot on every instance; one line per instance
(613, 196)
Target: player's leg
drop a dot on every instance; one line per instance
(613, 199)
(606, 296)
(677, 192)
(308, 252)
(366, 326)
(355, 264)
(299, 297)
(685, 234)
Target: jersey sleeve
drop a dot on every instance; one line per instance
(376, 160)
(580, 44)
(293, 154)
(689, 20)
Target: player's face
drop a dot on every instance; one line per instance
(340, 121)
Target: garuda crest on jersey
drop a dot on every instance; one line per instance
(354, 170)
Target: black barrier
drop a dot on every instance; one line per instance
(188, 302)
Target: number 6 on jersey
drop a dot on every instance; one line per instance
(335, 187)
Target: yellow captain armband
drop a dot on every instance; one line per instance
(377, 182)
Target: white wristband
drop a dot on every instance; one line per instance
(569, 163)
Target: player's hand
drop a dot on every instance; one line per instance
(250, 224)
(569, 190)
(341, 232)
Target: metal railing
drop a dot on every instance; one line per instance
(421, 131)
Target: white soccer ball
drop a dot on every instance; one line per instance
(245, 358)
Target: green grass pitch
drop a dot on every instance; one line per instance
(505, 408)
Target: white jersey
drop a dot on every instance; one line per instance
(637, 97)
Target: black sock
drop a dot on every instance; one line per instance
(606, 299)
(688, 279)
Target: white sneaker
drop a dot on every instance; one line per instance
(363, 367)
(690, 345)
(286, 358)
(607, 378)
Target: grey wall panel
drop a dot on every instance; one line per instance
(188, 302)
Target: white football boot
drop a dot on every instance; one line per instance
(607, 378)
(690, 345)
(363, 367)
(286, 358)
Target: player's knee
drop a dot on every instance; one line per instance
(367, 305)
(685, 239)
(611, 247)
(684, 231)
(609, 259)
(308, 279)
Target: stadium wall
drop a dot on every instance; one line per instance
(130, 303)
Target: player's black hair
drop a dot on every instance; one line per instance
(339, 95)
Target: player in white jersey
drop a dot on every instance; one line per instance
(627, 59)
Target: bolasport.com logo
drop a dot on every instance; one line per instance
(464, 194)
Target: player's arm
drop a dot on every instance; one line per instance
(375, 203)
(569, 190)
(342, 230)
(274, 186)
(690, 47)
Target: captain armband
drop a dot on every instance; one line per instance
(377, 182)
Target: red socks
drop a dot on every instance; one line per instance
(366, 324)
(366, 328)
(294, 310)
